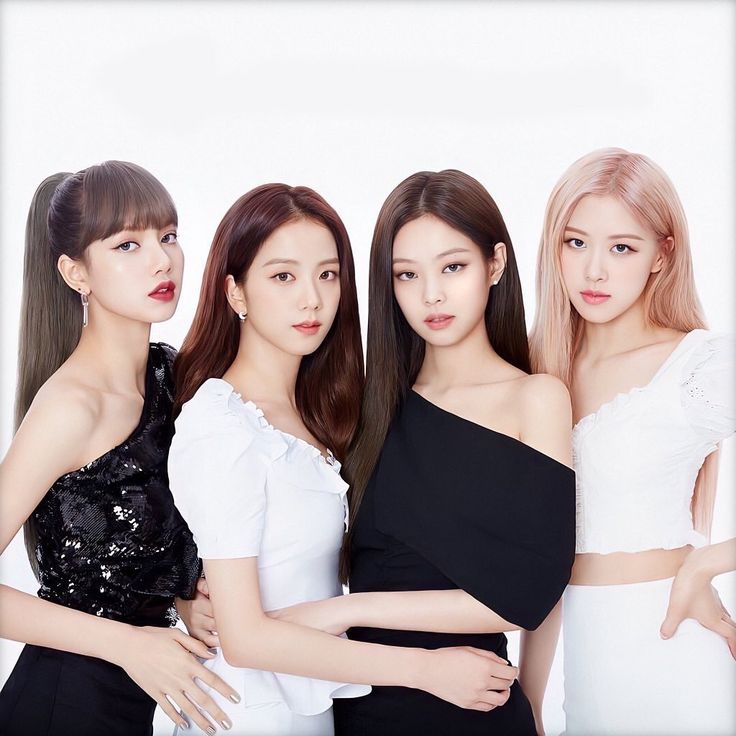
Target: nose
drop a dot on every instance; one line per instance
(161, 259)
(433, 293)
(310, 298)
(595, 270)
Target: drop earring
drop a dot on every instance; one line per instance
(85, 308)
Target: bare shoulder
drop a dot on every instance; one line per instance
(544, 394)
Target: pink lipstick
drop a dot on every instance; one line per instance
(164, 292)
(308, 327)
(438, 321)
(594, 297)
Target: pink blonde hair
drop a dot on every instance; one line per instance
(670, 298)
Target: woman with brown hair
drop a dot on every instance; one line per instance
(86, 470)
(270, 382)
(462, 501)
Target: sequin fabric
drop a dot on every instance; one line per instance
(110, 540)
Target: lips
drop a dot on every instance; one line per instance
(594, 297)
(164, 292)
(310, 327)
(438, 321)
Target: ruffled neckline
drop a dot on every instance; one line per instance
(623, 398)
(257, 413)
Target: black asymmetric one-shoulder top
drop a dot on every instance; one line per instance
(452, 504)
(110, 540)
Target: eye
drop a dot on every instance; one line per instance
(405, 276)
(328, 275)
(453, 267)
(169, 239)
(622, 248)
(575, 243)
(128, 246)
(284, 277)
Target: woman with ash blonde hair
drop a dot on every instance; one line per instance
(619, 321)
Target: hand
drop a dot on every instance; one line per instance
(322, 615)
(160, 661)
(469, 677)
(693, 596)
(198, 615)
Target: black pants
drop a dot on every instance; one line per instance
(53, 693)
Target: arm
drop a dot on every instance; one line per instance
(693, 595)
(49, 443)
(535, 661)
(464, 676)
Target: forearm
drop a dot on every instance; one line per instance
(444, 611)
(279, 646)
(536, 655)
(712, 560)
(31, 620)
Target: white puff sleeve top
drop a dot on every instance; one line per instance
(637, 457)
(247, 489)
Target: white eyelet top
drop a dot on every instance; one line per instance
(246, 489)
(637, 457)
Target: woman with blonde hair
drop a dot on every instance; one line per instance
(619, 321)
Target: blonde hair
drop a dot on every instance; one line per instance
(670, 298)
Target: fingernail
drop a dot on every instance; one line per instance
(214, 633)
(225, 723)
(212, 650)
(235, 698)
(211, 730)
(184, 724)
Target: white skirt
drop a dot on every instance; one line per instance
(622, 679)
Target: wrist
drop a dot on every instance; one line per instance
(698, 565)
(121, 644)
(420, 662)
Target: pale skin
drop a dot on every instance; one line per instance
(292, 280)
(439, 270)
(89, 405)
(607, 250)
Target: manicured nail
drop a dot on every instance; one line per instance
(225, 723)
(212, 650)
(184, 724)
(235, 698)
(211, 730)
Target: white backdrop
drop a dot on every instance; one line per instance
(349, 98)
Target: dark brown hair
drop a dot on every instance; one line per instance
(67, 213)
(330, 380)
(395, 352)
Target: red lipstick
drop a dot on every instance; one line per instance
(164, 292)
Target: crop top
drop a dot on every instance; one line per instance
(637, 457)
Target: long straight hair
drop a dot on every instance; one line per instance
(395, 352)
(330, 380)
(67, 213)
(670, 296)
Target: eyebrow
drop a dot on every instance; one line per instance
(437, 257)
(623, 236)
(293, 262)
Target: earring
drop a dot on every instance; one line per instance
(242, 316)
(85, 308)
(495, 282)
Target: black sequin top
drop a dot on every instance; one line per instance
(110, 540)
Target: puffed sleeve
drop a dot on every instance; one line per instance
(217, 471)
(707, 389)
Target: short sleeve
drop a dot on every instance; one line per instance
(217, 473)
(707, 389)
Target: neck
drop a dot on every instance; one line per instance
(118, 350)
(466, 362)
(263, 371)
(626, 332)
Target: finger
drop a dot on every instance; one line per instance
(212, 641)
(670, 624)
(494, 698)
(215, 682)
(193, 714)
(728, 620)
(195, 646)
(480, 705)
(203, 621)
(499, 683)
(202, 587)
(205, 703)
(166, 706)
(489, 655)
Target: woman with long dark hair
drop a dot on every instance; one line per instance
(462, 501)
(86, 471)
(270, 381)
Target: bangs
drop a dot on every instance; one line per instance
(122, 196)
